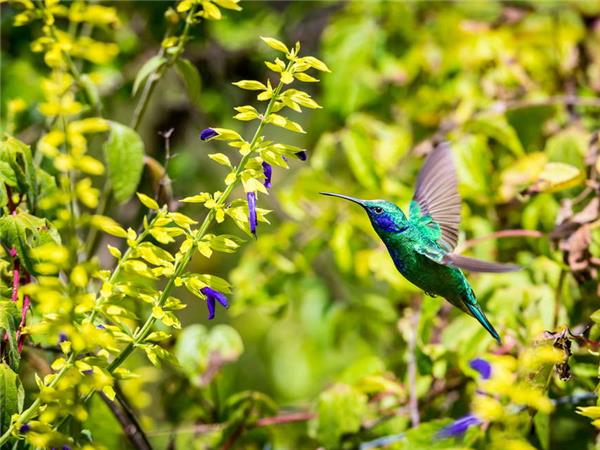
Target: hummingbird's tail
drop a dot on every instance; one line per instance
(477, 312)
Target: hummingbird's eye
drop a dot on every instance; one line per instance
(378, 210)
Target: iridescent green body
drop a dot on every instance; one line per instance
(434, 278)
(421, 246)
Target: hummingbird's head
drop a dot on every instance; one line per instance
(386, 217)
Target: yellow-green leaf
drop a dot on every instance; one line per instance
(147, 201)
(250, 85)
(275, 44)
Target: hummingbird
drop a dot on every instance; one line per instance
(422, 244)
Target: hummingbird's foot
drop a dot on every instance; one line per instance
(429, 294)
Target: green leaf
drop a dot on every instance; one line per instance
(124, 153)
(191, 77)
(11, 396)
(7, 175)
(568, 146)
(359, 153)
(339, 411)
(149, 66)
(497, 127)
(9, 320)
(542, 429)
(26, 232)
(90, 89)
(199, 351)
(3, 195)
(18, 155)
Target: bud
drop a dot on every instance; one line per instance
(172, 16)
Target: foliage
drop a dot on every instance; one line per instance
(115, 222)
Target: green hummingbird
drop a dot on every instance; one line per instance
(421, 245)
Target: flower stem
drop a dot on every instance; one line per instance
(144, 331)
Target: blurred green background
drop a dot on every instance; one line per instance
(317, 301)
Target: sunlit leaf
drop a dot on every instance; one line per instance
(124, 153)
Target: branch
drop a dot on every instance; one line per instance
(127, 419)
(286, 418)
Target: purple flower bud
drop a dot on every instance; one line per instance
(251, 196)
(24, 428)
(302, 156)
(88, 372)
(101, 327)
(208, 134)
(482, 366)
(62, 337)
(459, 426)
(268, 171)
(213, 295)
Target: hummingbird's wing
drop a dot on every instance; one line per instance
(436, 203)
(435, 212)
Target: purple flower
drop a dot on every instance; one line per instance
(101, 327)
(459, 426)
(302, 156)
(268, 171)
(482, 366)
(211, 296)
(24, 428)
(88, 372)
(62, 337)
(208, 134)
(251, 196)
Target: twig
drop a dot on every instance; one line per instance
(286, 418)
(568, 100)
(127, 419)
(300, 416)
(382, 441)
(557, 297)
(497, 235)
(236, 434)
(413, 401)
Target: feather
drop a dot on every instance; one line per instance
(437, 194)
(476, 311)
(476, 265)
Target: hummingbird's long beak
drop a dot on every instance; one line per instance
(346, 197)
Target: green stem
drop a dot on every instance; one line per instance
(156, 75)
